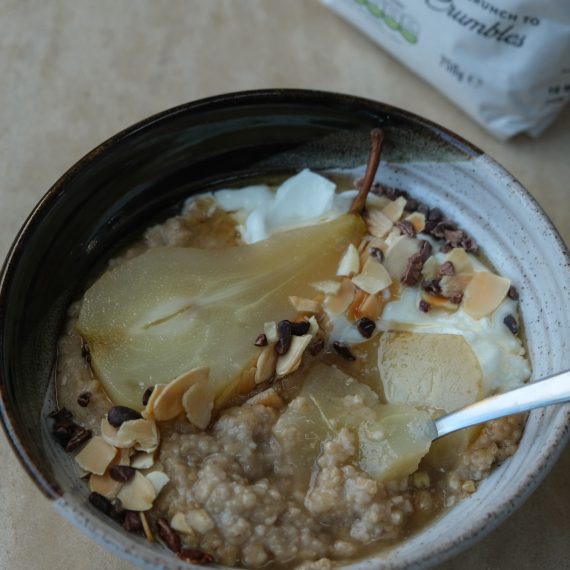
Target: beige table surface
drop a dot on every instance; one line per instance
(74, 72)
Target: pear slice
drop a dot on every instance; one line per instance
(173, 309)
(439, 371)
(392, 439)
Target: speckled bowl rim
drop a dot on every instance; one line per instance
(559, 433)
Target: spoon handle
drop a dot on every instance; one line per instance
(552, 390)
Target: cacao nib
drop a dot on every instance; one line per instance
(100, 502)
(377, 254)
(431, 286)
(513, 293)
(284, 333)
(434, 215)
(83, 399)
(132, 522)
(406, 228)
(423, 306)
(411, 205)
(261, 340)
(147, 394)
(366, 327)
(511, 324)
(344, 351)
(300, 329)
(119, 414)
(169, 535)
(195, 556)
(317, 346)
(446, 268)
(79, 437)
(121, 473)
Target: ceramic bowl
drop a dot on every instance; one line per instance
(144, 173)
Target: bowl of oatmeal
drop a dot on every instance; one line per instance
(226, 329)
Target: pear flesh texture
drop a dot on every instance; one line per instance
(172, 309)
(392, 439)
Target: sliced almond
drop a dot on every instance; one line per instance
(266, 363)
(168, 405)
(198, 403)
(143, 433)
(439, 302)
(430, 268)
(350, 262)
(304, 305)
(378, 223)
(270, 330)
(159, 480)
(398, 255)
(138, 494)
(104, 485)
(374, 277)
(418, 220)
(337, 304)
(291, 360)
(313, 326)
(327, 287)
(179, 523)
(146, 527)
(371, 307)
(199, 520)
(460, 260)
(452, 285)
(353, 311)
(373, 201)
(142, 460)
(269, 398)
(485, 292)
(394, 210)
(96, 456)
(148, 411)
(110, 434)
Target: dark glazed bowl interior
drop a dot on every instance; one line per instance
(141, 175)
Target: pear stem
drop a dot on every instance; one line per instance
(377, 137)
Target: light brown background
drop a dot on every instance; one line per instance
(73, 72)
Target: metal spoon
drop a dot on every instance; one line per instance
(552, 390)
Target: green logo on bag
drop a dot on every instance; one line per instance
(393, 17)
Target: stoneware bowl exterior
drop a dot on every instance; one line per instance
(144, 173)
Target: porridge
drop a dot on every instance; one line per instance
(253, 381)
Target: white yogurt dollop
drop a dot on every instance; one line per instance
(305, 199)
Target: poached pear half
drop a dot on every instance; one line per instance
(172, 309)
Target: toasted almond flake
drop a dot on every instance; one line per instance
(328, 287)
(485, 292)
(418, 220)
(460, 260)
(270, 330)
(304, 305)
(378, 223)
(374, 277)
(96, 456)
(141, 434)
(159, 480)
(372, 307)
(395, 209)
(430, 268)
(375, 201)
(353, 311)
(146, 527)
(439, 302)
(138, 494)
(142, 460)
(198, 403)
(148, 411)
(110, 433)
(398, 254)
(452, 285)
(291, 360)
(168, 405)
(199, 520)
(266, 363)
(313, 326)
(104, 485)
(268, 398)
(178, 522)
(350, 262)
(337, 304)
